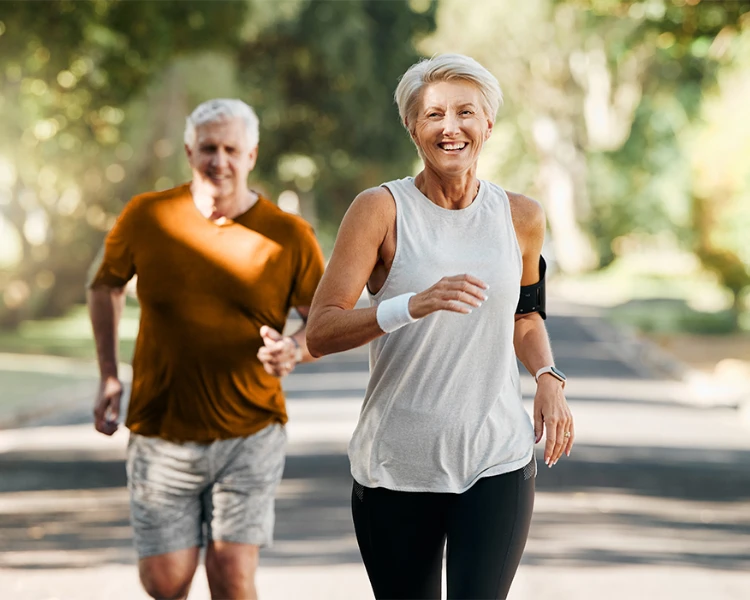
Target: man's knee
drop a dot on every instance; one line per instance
(168, 576)
(231, 569)
(160, 588)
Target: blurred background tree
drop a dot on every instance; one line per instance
(95, 93)
(325, 81)
(604, 100)
(679, 47)
(68, 71)
(624, 118)
(719, 151)
(670, 182)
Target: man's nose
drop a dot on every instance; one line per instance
(219, 158)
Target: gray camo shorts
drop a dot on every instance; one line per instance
(184, 494)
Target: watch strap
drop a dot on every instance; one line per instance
(552, 371)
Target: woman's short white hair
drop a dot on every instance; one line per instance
(218, 110)
(445, 67)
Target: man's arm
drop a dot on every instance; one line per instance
(300, 336)
(105, 308)
(280, 354)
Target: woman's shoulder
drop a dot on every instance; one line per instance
(376, 200)
(372, 210)
(528, 214)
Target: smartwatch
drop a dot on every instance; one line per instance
(552, 370)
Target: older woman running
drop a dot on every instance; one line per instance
(443, 451)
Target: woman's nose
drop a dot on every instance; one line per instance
(450, 124)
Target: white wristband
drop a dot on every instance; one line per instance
(392, 314)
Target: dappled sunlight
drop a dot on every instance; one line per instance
(655, 484)
(626, 120)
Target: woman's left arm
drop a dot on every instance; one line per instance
(531, 342)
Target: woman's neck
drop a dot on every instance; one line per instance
(452, 193)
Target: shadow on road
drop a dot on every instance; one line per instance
(53, 502)
(628, 502)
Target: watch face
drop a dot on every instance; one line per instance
(558, 373)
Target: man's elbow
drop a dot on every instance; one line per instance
(99, 291)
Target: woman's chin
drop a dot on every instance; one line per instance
(451, 166)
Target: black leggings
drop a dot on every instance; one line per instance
(401, 536)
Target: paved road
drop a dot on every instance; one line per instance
(652, 504)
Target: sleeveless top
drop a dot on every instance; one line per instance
(443, 405)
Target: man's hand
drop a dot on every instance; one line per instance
(107, 406)
(278, 354)
(551, 412)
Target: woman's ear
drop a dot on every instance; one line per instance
(487, 135)
(409, 129)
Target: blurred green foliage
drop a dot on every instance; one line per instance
(324, 82)
(67, 71)
(671, 316)
(686, 48)
(626, 119)
(607, 122)
(95, 93)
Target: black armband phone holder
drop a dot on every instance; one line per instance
(534, 297)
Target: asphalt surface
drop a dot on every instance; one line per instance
(653, 502)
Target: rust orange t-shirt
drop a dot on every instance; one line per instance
(205, 290)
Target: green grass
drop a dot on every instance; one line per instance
(656, 293)
(68, 336)
(28, 384)
(670, 316)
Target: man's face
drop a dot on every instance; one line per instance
(220, 157)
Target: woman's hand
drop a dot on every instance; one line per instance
(459, 293)
(551, 412)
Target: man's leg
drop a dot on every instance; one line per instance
(165, 482)
(240, 509)
(168, 576)
(231, 570)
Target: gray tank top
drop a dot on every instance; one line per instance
(443, 405)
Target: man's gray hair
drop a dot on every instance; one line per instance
(445, 67)
(220, 109)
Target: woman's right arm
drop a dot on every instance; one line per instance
(334, 325)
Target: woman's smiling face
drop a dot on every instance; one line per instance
(451, 126)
